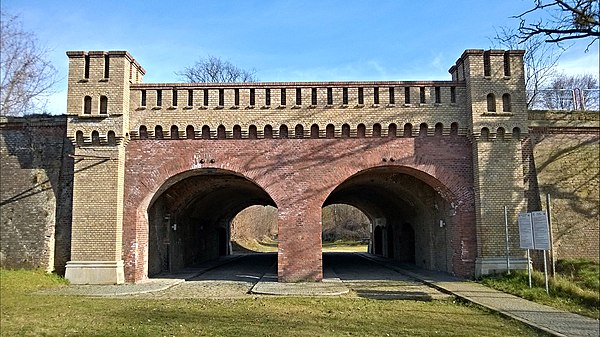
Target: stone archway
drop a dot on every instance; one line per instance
(189, 218)
(394, 197)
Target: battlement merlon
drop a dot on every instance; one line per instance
(113, 53)
(493, 58)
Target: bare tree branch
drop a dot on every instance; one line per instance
(215, 70)
(27, 76)
(568, 20)
(540, 59)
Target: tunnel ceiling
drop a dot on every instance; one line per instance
(216, 194)
(381, 192)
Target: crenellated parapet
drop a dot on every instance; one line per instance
(98, 97)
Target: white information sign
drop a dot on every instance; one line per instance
(525, 231)
(541, 233)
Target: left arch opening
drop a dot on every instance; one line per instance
(190, 217)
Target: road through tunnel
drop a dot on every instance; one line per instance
(189, 219)
(410, 220)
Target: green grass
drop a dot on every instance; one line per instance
(344, 246)
(26, 313)
(575, 288)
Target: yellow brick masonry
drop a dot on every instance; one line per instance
(99, 170)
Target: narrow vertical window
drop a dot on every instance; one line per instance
(329, 96)
(283, 131)
(283, 99)
(143, 103)
(79, 138)
(406, 95)
(454, 129)
(86, 66)
(376, 130)
(252, 97)
(345, 96)
(237, 132)
(111, 138)
(506, 103)
(313, 96)
(329, 131)
(143, 132)
(267, 97)
(174, 102)
(298, 96)
(205, 132)
(190, 97)
(314, 131)
(487, 66)
(221, 132)
(106, 66)
(422, 95)
(516, 133)
(345, 131)
(95, 138)
(299, 131)
(158, 97)
(205, 98)
(361, 96)
(361, 130)
(103, 105)
(236, 96)
(158, 132)
(407, 130)
(452, 94)
(423, 128)
(392, 130)
(268, 131)
(491, 103)
(439, 129)
(174, 132)
(221, 97)
(252, 132)
(189, 132)
(438, 95)
(506, 63)
(376, 96)
(391, 95)
(87, 105)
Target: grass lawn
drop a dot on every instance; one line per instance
(25, 313)
(575, 288)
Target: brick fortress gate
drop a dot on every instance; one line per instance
(162, 169)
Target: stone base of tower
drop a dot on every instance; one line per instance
(95, 272)
(497, 265)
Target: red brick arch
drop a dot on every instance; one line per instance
(298, 174)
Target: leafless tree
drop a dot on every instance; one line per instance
(564, 20)
(27, 75)
(215, 70)
(540, 59)
(567, 92)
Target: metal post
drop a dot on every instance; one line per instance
(552, 255)
(529, 268)
(546, 272)
(507, 245)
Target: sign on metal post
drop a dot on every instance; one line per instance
(541, 233)
(525, 231)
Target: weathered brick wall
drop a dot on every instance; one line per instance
(566, 148)
(36, 192)
(299, 174)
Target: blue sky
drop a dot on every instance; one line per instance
(301, 40)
